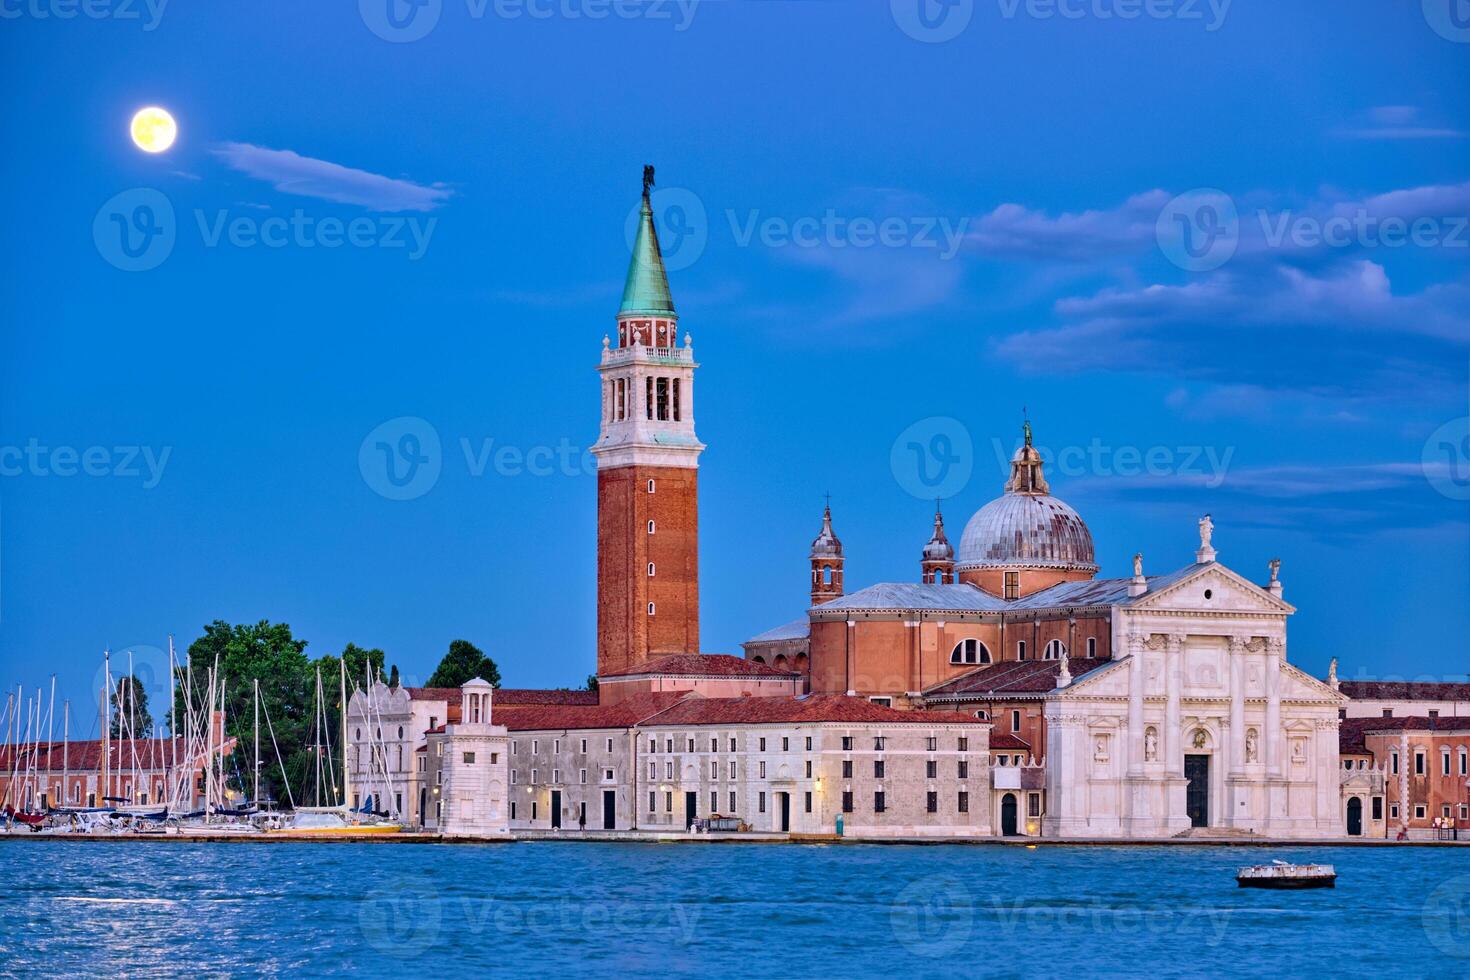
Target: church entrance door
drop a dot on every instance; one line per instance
(1355, 817)
(1008, 815)
(1197, 796)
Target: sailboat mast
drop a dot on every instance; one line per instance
(106, 727)
(255, 793)
(173, 730)
(65, 750)
(50, 735)
(346, 764)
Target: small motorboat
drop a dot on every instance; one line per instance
(1280, 874)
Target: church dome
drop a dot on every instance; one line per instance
(1026, 527)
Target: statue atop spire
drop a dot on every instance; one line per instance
(1026, 475)
(646, 290)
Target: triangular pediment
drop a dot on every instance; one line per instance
(1212, 588)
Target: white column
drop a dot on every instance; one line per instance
(1237, 703)
(1136, 678)
(1275, 648)
(1173, 681)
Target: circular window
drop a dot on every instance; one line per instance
(1209, 594)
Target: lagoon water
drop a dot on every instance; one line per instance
(559, 909)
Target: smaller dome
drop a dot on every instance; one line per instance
(938, 548)
(827, 545)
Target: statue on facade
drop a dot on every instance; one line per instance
(1138, 565)
(1206, 531)
(1150, 745)
(1275, 566)
(1252, 745)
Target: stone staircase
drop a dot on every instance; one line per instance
(1217, 833)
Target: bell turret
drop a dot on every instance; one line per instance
(938, 561)
(826, 558)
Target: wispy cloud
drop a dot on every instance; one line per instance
(1013, 231)
(1396, 122)
(292, 173)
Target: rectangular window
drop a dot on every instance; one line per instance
(1464, 759)
(648, 397)
(1444, 759)
(512, 775)
(535, 746)
(964, 772)
(964, 744)
(808, 802)
(1013, 586)
(652, 769)
(1420, 811)
(964, 802)
(1377, 808)
(763, 745)
(582, 775)
(609, 745)
(1092, 646)
(714, 802)
(653, 745)
(469, 758)
(732, 801)
(652, 802)
(1015, 720)
(846, 768)
(732, 744)
(1464, 811)
(1393, 763)
(556, 776)
(932, 769)
(622, 411)
(691, 745)
(668, 770)
(1033, 805)
(533, 809)
(808, 769)
(878, 802)
(732, 770)
(847, 801)
(877, 768)
(785, 744)
(533, 777)
(1020, 649)
(1393, 811)
(762, 798)
(763, 770)
(1418, 763)
(878, 744)
(714, 745)
(847, 743)
(678, 417)
(931, 802)
(584, 746)
(512, 809)
(931, 743)
(808, 743)
(669, 802)
(669, 744)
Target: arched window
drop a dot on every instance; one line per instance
(1091, 647)
(650, 527)
(1055, 650)
(650, 486)
(650, 609)
(758, 659)
(1020, 649)
(650, 569)
(969, 651)
(983, 715)
(827, 574)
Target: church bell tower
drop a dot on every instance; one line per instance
(647, 471)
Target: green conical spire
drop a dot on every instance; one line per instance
(647, 287)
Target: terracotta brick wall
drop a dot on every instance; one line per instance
(626, 634)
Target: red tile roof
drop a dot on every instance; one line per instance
(805, 708)
(1352, 732)
(701, 665)
(1012, 677)
(1007, 742)
(505, 695)
(566, 717)
(1406, 690)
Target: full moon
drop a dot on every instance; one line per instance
(154, 129)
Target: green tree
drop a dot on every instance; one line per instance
(463, 661)
(591, 682)
(130, 717)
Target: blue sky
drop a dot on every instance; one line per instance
(1026, 173)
